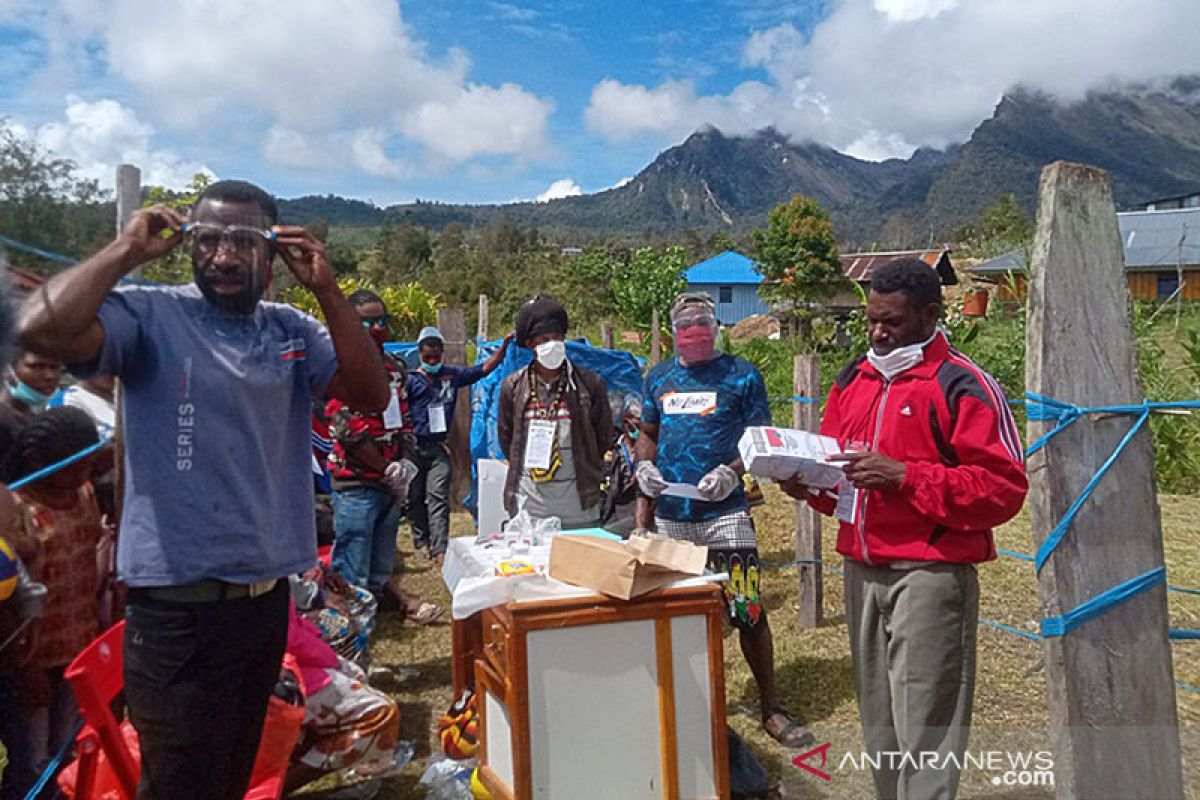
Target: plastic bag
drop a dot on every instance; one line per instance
(523, 531)
(449, 779)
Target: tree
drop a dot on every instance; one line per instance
(999, 228)
(176, 266)
(43, 203)
(648, 282)
(586, 283)
(797, 256)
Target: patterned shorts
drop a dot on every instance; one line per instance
(732, 548)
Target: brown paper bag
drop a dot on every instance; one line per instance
(624, 569)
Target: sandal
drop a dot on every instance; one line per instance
(425, 614)
(792, 735)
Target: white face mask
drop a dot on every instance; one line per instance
(552, 354)
(899, 360)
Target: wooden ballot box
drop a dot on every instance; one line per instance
(594, 698)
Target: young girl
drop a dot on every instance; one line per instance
(57, 537)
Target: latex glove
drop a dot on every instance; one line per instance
(398, 476)
(718, 484)
(649, 479)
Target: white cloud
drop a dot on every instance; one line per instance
(880, 77)
(305, 73)
(563, 187)
(99, 135)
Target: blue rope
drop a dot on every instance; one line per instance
(1187, 687)
(54, 765)
(1184, 634)
(1027, 557)
(1058, 626)
(37, 251)
(1010, 629)
(55, 467)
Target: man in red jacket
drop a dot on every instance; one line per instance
(939, 464)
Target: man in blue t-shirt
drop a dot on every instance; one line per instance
(696, 407)
(218, 507)
(432, 395)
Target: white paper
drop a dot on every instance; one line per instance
(683, 490)
(539, 443)
(437, 419)
(698, 403)
(847, 504)
(392, 418)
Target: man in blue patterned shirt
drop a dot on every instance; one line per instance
(697, 405)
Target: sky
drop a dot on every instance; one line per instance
(486, 101)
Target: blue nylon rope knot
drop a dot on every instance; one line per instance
(1058, 626)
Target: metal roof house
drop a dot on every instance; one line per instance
(1159, 245)
(732, 281)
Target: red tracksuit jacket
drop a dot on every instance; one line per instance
(949, 422)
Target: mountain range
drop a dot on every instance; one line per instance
(1147, 138)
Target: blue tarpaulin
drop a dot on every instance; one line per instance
(619, 369)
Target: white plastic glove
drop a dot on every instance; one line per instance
(718, 484)
(649, 479)
(398, 476)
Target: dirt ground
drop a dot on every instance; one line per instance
(813, 666)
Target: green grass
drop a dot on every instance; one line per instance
(813, 666)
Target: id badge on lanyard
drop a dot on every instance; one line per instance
(393, 419)
(539, 443)
(437, 418)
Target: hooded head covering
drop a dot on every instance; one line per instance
(540, 314)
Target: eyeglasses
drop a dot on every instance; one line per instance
(377, 322)
(207, 237)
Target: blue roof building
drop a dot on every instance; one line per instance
(732, 282)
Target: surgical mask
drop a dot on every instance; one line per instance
(899, 360)
(432, 369)
(29, 396)
(551, 354)
(695, 343)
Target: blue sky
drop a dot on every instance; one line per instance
(492, 100)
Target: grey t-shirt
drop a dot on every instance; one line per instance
(216, 409)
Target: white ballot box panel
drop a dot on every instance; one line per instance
(499, 738)
(492, 473)
(693, 707)
(585, 679)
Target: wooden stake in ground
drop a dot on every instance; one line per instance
(453, 326)
(1110, 680)
(806, 417)
(482, 329)
(606, 335)
(129, 198)
(655, 339)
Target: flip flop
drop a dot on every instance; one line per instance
(793, 735)
(425, 614)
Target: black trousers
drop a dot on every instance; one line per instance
(197, 680)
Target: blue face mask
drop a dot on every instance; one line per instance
(432, 369)
(29, 396)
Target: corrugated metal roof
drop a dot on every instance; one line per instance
(726, 268)
(1153, 240)
(1156, 239)
(859, 267)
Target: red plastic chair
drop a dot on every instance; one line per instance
(96, 678)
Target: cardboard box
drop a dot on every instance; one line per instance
(780, 453)
(624, 569)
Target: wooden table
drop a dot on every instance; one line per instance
(594, 698)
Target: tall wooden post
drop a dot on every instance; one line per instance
(1110, 681)
(129, 197)
(807, 417)
(453, 326)
(482, 329)
(606, 335)
(655, 339)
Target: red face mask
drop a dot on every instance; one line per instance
(695, 342)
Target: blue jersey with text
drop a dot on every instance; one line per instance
(701, 412)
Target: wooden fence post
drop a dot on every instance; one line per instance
(807, 417)
(482, 330)
(606, 335)
(453, 326)
(1110, 681)
(129, 198)
(655, 339)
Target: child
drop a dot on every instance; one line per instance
(57, 534)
